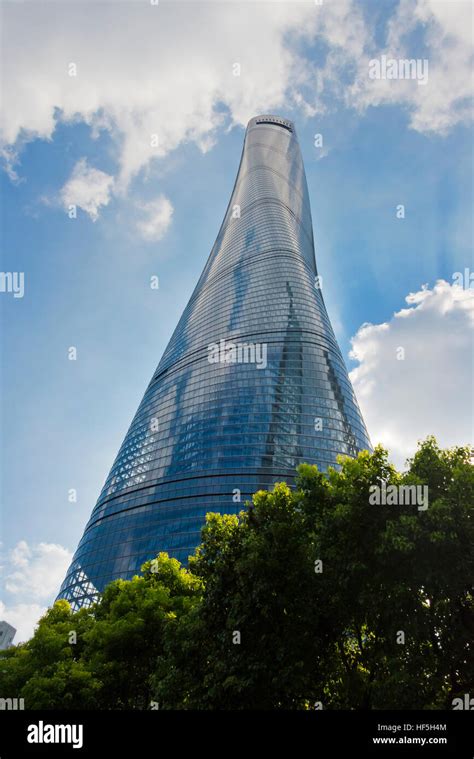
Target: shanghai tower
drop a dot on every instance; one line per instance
(251, 384)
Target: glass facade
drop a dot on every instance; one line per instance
(251, 384)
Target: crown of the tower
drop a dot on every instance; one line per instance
(273, 120)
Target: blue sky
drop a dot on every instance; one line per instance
(142, 212)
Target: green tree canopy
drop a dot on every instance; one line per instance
(341, 593)
(102, 657)
(336, 601)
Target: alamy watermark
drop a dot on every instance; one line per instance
(399, 495)
(225, 352)
(46, 733)
(467, 702)
(399, 68)
(464, 279)
(12, 282)
(12, 704)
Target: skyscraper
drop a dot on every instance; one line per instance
(7, 633)
(251, 384)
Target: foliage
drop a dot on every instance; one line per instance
(389, 621)
(118, 641)
(310, 597)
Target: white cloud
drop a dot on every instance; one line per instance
(8, 160)
(88, 188)
(156, 218)
(32, 576)
(430, 391)
(447, 33)
(38, 570)
(167, 70)
(23, 617)
(21, 554)
(144, 70)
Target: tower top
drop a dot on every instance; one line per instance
(274, 120)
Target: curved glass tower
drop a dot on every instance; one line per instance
(251, 384)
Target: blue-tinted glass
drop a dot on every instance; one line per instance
(208, 431)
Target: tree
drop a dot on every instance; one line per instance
(262, 635)
(341, 593)
(385, 620)
(123, 645)
(48, 671)
(102, 657)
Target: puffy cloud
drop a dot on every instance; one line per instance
(156, 218)
(21, 554)
(445, 100)
(8, 160)
(32, 576)
(429, 391)
(143, 70)
(156, 76)
(87, 188)
(37, 570)
(23, 617)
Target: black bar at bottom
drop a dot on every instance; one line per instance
(324, 733)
